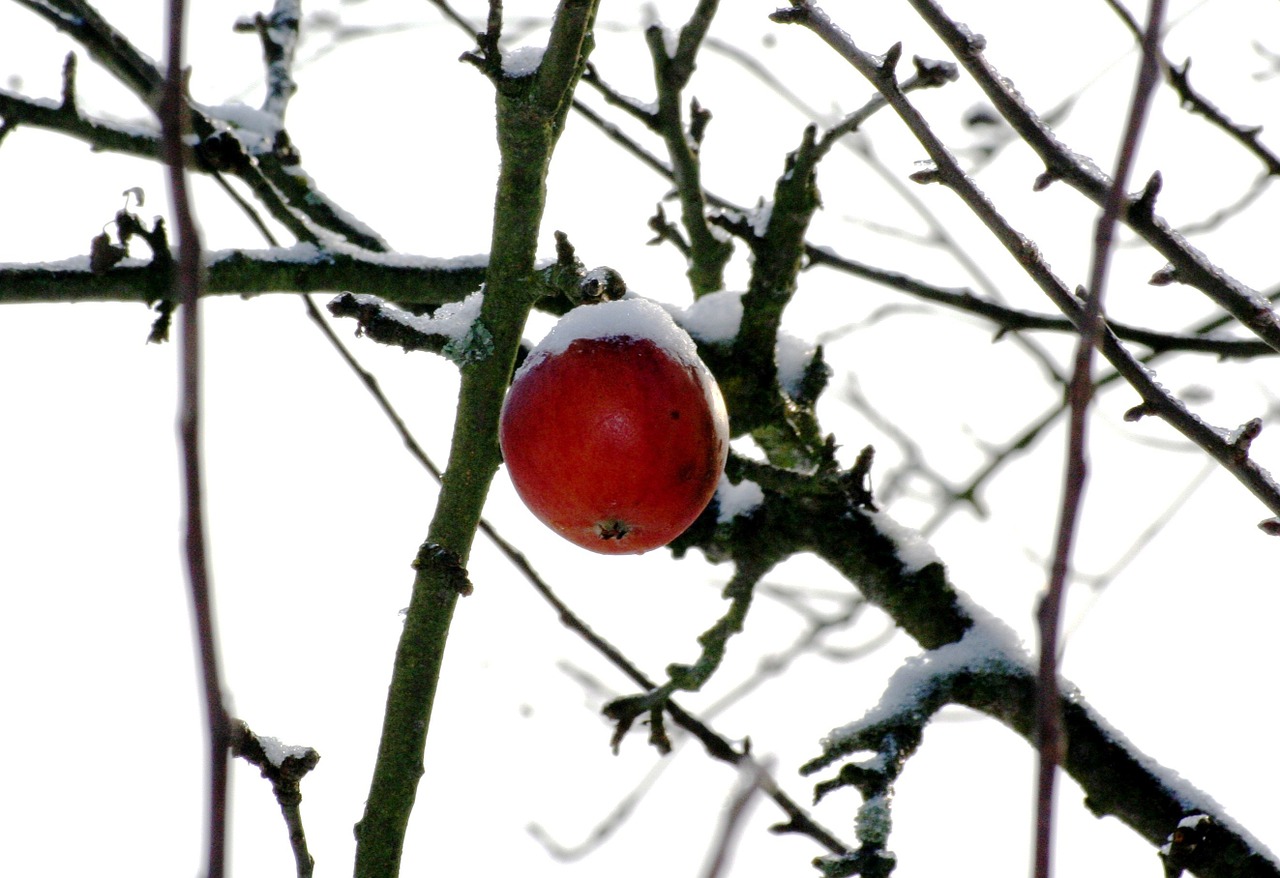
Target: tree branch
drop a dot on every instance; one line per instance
(1049, 732)
(303, 268)
(269, 165)
(1194, 102)
(285, 767)
(1118, 781)
(1155, 399)
(1190, 266)
(174, 122)
(531, 111)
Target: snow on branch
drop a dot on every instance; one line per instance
(987, 671)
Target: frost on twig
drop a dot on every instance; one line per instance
(453, 330)
(284, 766)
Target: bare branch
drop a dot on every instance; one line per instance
(285, 767)
(1156, 400)
(1194, 102)
(1049, 732)
(1192, 266)
(174, 122)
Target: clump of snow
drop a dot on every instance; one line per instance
(307, 252)
(244, 117)
(913, 550)
(989, 645)
(459, 322)
(734, 500)
(713, 318)
(452, 320)
(42, 103)
(523, 61)
(71, 263)
(625, 318)
(277, 753)
(716, 318)
(793, 356)
(760, 218)
(301, 253)
(255, 129)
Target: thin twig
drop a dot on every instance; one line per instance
(1188, 264)
(1080, 393)
(1009, 319)
(1230, 450)
(1194, 102)
(172, 113)
(285, 767)
(734, 818)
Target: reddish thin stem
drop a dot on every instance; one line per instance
(172, 111)
(1080, 392)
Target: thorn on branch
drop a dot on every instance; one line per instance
(1180, 76)
(623, 712)
(797, 14)
(887, 64)
(567, 274)
(1139, 411)
(699, 116)
(1163, 277)
(69, 84)
(566, 255)
(857, 481)
(665, 230)
(1045, 180)
(931, 73)
(658, 732)
(1144, 208)
(488, 56)
(927, 174)
(1242, 438)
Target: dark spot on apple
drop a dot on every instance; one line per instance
(675, 415)
(613, 530)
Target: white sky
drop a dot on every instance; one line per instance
(316, 510)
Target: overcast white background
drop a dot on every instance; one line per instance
(316, 511)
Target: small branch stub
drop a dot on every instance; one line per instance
(1145, 205)
(1244, 437)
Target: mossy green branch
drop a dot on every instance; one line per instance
(530, 116)
(708, 253)
(249, 273)
(779, 254)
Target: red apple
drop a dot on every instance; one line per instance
(613, 431)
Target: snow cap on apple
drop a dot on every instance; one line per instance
(614, 431)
